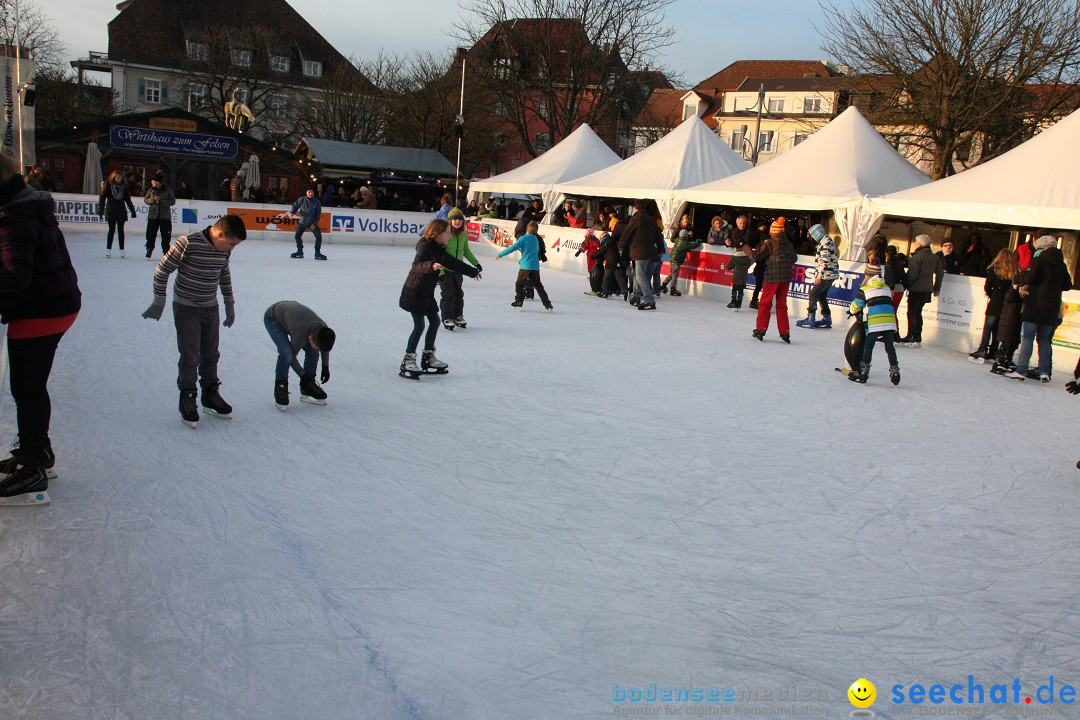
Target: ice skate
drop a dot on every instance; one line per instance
(979, 356)
(825, 323)
(28, 485)
(448, 324)
(319, 256)
(189, 412)
(9, 465)
(550, 308)
(431, 364)
(807, 322)
(649, 305)
(281, 394)
(213, 403)
(517, 304)
(310, 392)
(298, 255)
(759, 335)
(786, 338)
(894, 374)
(675, 293)
(862, 374)
(459, 321)
(409, 368)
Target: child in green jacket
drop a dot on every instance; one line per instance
(452, 305)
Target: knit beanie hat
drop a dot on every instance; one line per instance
(455, 214)
(873, 269)
(777, 228)
(1046, 241)
(684, 233)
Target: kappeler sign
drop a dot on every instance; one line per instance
(169, 141)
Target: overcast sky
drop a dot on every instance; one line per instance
(710, 34)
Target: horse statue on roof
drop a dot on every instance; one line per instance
(238, 116)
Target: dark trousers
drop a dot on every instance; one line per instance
(819, 296)
(519, 286)
(452, 303)
(115, 226)
(989, 339)
(152, 228)
(737, 294)
(30, 362)
(418, 329)
(314, 231)
(915, 303)
(614, 276)
(197, 340)
(884, 336)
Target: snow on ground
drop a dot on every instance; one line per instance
(595, 498)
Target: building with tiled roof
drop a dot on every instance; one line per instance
(194, 53)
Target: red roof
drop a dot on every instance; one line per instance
(731, 77)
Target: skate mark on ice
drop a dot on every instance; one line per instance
(408, 705)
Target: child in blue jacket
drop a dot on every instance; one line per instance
(529, 266)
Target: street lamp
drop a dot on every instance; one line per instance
(459, 129)
(757, 125)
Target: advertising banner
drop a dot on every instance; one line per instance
(15, 113)
(174, 142)
(258, 217)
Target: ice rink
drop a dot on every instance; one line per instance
(591, 502)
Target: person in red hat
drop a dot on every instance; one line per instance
(777, 278)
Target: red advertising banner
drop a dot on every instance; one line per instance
(267, 219)
(704, 267)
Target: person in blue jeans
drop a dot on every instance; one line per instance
(294, 327)
(1046, 279)
(308, 209)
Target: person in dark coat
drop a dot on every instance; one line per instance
(615, 262)
(1046, 280)
(418, 294)
(113, 205)
(974, 258)
(644, 238)
(159, 200)
(39, 301)
(998, 283)
(757, 240)
(950, 259)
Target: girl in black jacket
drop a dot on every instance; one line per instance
(999, 277)
(418, 296)
(111, 206)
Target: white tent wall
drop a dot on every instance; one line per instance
(857, 223)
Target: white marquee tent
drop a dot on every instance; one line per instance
(689, 155)
(579, 153)
(1033, 185)
(833, 169)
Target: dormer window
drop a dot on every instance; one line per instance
(776, 105)
(241, 58)
(812, 105)
(280, 63)
(313, 68)
(197, 50)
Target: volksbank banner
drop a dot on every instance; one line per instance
(122, 137)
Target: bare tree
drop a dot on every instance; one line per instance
(62, 100)
(35, 30)
(551, 65)
(356, 104)
(238, 66)
(949, 73)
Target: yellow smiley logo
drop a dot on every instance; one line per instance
(862, 693)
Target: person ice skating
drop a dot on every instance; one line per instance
(529, 265)
(684, 244)
(39, 301)
(874, 303)
(159, 199)
(113, 205)
(294, 327)
(443, 213)
(418, 296)
(999, 275)
(308, 209)
(201, 263)
(775, 281)
(827, 266)
(739, 264)
(452, 303)
(590, 246)
(761, 259)
(923, 280)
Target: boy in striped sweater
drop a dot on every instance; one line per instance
(874, 303)
(202, 262)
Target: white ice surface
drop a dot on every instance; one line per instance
(592, 497)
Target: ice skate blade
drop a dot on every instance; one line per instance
(41, 497)
(190, 423)
(409, 375)
(215, 413)
(977, 360)
(280, 407)
(435, 371)
(312, 401)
